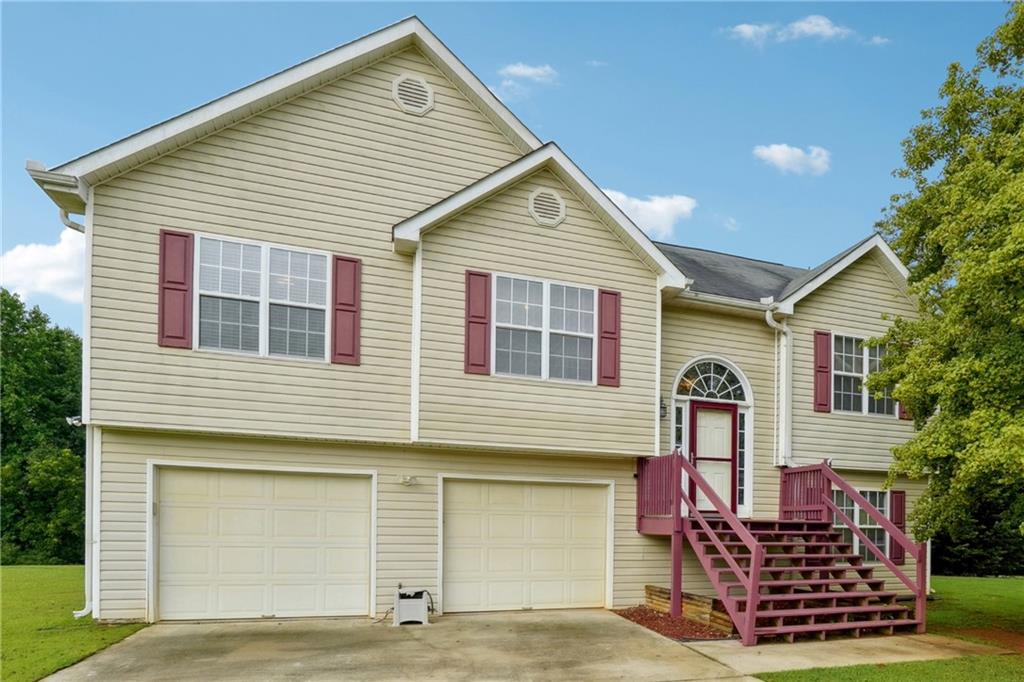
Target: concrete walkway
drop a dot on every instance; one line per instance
(587, 645)
(766, 658)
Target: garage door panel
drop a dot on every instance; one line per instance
(506, 527)
(240, 561)
(347, 524)
(348, 598)
(510, 545)
(184, 521)
(262, 544)
(243, 487)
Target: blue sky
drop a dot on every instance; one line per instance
(768, 130)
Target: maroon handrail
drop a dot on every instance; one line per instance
(807, 493)
(747, 619)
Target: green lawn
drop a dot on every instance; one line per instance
(39, 634)
(979, 609)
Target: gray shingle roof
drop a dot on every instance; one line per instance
(724, 274)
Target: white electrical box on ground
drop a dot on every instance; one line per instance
(411, 606)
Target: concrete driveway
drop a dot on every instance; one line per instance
(551, 645)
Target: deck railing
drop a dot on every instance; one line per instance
(751, 577)
(807, 494)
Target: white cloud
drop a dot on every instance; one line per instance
(538, 74)
(811, 26)
(752, 33)
(878, 40)
(54, 269)
(730, 224)
(657, 215)
(815, 160)
(596, 63)
(509, 90)
(814, 26)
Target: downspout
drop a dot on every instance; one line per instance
(783, 454)
(68, 222)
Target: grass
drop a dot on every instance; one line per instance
(979, 609)
(39, 634)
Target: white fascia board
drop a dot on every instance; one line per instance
(408, 233)
(253, 98)
(786, 306)
(67, 191)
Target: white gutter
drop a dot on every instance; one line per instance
(784, 375)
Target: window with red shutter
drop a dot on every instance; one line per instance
(174, 302)
(477, 348)
(609, 339)
(822, 371)
(346, 310)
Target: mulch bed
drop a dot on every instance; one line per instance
(673, 628)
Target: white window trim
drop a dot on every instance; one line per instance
(263, 300)
(865, 393)
(855, 549)
(746, 407)
(545, 330)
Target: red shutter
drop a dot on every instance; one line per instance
(174, 302)
(609, 337)
(822, 371)
(345, 310)
(903, 412)
(477, 350)
(898, 516)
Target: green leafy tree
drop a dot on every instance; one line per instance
(959, 369)
(41, 508)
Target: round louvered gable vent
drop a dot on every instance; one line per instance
(413, 94)
(547, 207)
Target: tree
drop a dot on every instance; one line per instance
(959, 369)
(43, 457)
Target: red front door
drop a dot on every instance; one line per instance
(713, 450)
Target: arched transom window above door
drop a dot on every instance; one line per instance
(711, 380)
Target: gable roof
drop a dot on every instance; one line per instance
(750, 280)
(723, 274)
(145, 145)
(407, 234)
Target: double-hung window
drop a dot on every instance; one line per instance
(543, 329)
(874, 532)
(261, 299)
(852, 363)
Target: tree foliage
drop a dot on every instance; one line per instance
(959, 369)
(41, 510)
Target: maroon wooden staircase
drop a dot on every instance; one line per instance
(794, 576)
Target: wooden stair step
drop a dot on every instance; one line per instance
(830, 610)
(817, 596)
(768, 631)
(820, 570)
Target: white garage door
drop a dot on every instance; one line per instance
(236, 544)
(523, 545)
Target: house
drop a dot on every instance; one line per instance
(354, 325)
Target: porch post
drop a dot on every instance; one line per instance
(676, 602)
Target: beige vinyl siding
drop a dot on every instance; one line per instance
(748, 343)
(407, 549)
(868, 480)
(853, 302)
(499, 235)
(332, 170)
